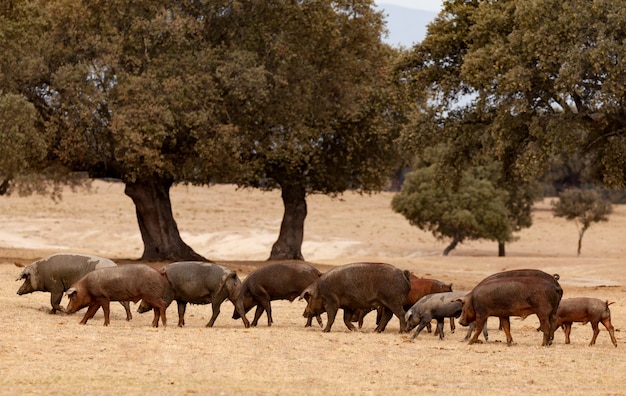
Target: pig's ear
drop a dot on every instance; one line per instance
(305, 295)
(461, 300)
(70, 292)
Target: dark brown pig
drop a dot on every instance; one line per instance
(513, 296)
(132, 282)
(523, 272)
(584, 309)
(198, 282)
(514, 273)
(358, 286)
(282, 281)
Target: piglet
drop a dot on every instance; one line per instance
(585, 309)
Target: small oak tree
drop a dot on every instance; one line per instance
(584, 207)
(475, 209)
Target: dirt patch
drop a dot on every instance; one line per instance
(54, 354)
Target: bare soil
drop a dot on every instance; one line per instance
(52, 354)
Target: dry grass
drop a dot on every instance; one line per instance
(53, 354)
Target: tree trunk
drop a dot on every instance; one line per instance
(501, 250)
(451, 246)
(580, 240)
(161, 238)
(289, 243)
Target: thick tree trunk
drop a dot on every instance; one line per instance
(289, 243)
(501, 250)
(451, 246)
(161, 238)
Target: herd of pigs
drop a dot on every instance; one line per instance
(92, 282)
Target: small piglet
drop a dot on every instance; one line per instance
(132, 282)
(584, 309)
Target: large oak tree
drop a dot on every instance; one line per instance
(128, 91)
(321, 118)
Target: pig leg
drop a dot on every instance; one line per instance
(268, 310)
(421, 326)
(384, 319)
(216, 304)
(505, 322)
(547, 324)
(596, 331)
(399, 312)
(182, 307)
(347, 319)
(470, 328)
(257, 315)
(309, 321)
(158, 307)
(607, 323)
(567, 327)
(440, 328)
(155, 319)
(331, 312)
(126, 305)
(480, 324)
(107, 311)
(91, 311)
(452, 326)
(55, 301)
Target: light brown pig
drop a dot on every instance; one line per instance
(585, 309)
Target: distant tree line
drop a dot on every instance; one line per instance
(306, 97)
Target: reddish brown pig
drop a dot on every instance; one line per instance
(513, 296)
(132, 282)
(584, 309)
(358, 286)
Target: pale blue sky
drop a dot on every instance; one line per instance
(428, 5)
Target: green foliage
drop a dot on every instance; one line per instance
(21, 148)
(584, 207)
(316, 111)
(545, 78)
(475, 209)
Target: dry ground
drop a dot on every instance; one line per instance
(53, 354)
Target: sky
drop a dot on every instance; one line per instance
(406, 23)
(427, 5)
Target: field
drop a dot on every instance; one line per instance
(52, 354)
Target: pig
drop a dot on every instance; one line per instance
(434, 306)
(131, 282)
(523, 272)
(419, 288)
(585, 309)
(55, 274)
(513, 296)
(281, 281)
(517, 272)
(358, 286)
(198, 282)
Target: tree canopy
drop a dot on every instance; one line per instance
(279, 94)
(542, 77)
(473, 209)
(584, 207)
